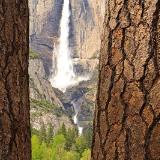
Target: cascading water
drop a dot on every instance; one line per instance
(75, 117)
(64, 76)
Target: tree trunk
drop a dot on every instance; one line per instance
(14, 81)
(127, 116)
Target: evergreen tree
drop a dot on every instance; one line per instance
(81, 144)
(88, 133)
(50, 133)
(70, 138)
(15, 140)
(86, 155)
(42, 132)
(58, 147)
(62, 130)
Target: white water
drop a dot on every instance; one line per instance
(64, 76)
(75, 117)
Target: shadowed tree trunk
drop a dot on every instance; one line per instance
(14, 81)
(127, 116)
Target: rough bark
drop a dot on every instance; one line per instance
(127, 116)
(14, 81)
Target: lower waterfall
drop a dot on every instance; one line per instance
(75, 117)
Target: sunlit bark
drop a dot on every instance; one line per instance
(126, 124)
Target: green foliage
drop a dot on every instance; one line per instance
(58, 147)
(34, 131)
(49, 133)
(71, 138)
(86, 155)
(42, 104)
(33, 54)
(65, 145)
(88, 133)
(40, 151)
(58, 111)
(72, 155)
(36, 148)
(59, 139)
(81, 144)
(47, 106)
(42, 132)
(62, 130)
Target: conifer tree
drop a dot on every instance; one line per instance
(15, 143)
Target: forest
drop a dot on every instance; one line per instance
(65, 145)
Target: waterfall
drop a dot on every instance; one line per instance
(75, 117)
(64, 76)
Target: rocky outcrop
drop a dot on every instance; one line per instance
(40, 87)
(44, 27)
(46, 108)
(81, 99)
(87, 18)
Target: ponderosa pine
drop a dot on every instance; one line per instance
(127, 116)
(14, 81)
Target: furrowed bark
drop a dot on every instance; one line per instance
(14, 81)
(127, 116)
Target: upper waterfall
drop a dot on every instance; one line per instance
(65, 75)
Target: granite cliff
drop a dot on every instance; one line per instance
(46, 108)
(85, 29)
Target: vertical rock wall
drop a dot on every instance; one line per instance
(86, 22)
(87, 18)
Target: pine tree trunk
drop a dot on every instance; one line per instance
(127, 116)
(14, 81)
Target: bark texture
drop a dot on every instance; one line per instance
(127, 116)
(14, 81)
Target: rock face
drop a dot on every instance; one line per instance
(46, 108)
(40, 87)
(87, 18)
(44, 23)
(85, 29)
(127, 117)
(80, 99)
(44, 27)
